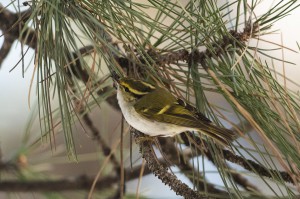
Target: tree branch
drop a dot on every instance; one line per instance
(161, 171)
(11, 25)
(249, 165)
(181, 160)
(80, 183)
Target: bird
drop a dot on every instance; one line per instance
(155, 111)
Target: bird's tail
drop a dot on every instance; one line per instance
(221, 135)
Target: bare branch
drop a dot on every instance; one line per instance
(80, 183)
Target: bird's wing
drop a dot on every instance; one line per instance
(169, 110)
(165, 108)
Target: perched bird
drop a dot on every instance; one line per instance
(154, 111)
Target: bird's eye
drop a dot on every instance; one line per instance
(126, 89)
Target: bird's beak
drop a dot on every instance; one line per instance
(116, 84)
(116, 79)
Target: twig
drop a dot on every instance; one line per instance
(249, 165)
(80, 73)
(12, 25)
(180, 160)
(8, 166)
(83, 75)
(162, 172)
(80, 183)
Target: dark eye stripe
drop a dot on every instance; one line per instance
(134, 93)
(137, 87)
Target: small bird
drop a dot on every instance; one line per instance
(154, 111)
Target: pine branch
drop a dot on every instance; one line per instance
(235, 39)
(249, 165)
(181, 160)
(11, 25)
(161, 171)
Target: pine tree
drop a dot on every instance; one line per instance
(205, 52)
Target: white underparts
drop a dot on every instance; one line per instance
(139, 122)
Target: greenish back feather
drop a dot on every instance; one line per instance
(169, 110)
